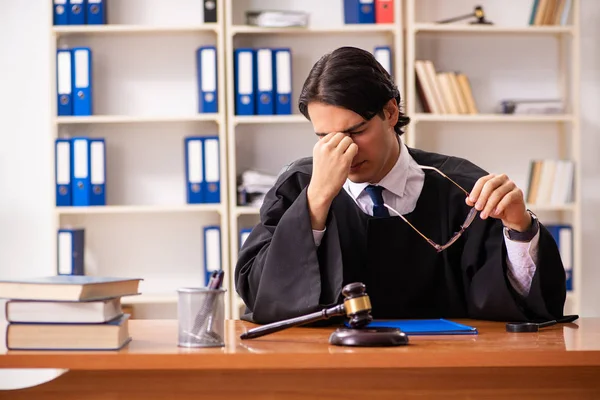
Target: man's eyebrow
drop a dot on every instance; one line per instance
(347, 130)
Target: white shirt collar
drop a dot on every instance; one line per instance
(394, 181)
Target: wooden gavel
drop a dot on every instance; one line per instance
(356, 306)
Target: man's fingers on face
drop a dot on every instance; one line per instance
(351, 151)
(327, 137)
(344, 143)
(335, 140)
(350, 154)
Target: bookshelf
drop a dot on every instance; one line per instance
(145, 102)
(509, 59)
(269, 142)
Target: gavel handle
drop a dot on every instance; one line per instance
(288, 323)
(454, 19)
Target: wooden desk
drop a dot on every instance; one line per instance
(558, 362)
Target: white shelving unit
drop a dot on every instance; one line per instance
(267, 143)
(145, 101)
(539, 59)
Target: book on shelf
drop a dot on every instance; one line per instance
(69, 288)
(111, 335)
(550, 182)
(550, 12)
(443, 92)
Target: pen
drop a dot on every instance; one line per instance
(213, 280)
(218, 282)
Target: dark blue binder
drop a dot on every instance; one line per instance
(194, 169)
(61, 15)
(425, 326)
(82, 81)
(282, 72)
(244, 76)
(97, 172)
(64, 82)
(359, 11)
(71, 252)
(244, 233)
(96, 12)
(62, 172)
(212, 170)
(564, 232)
(206, 63)
(212, 251)
(80, 171)
(383, 54)
(263, 84)
(77, 12)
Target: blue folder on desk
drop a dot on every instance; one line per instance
(426, 326)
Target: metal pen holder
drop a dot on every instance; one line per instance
(201, 317)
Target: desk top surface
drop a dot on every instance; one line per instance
(154, 346)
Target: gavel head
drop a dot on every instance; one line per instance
(357, 305)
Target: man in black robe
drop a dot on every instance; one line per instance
(366, 208)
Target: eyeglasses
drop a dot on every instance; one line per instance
(470, 217)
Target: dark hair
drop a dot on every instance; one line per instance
(351, 78)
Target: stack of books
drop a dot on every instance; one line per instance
(550, 12)
(550, 182)
(443, 92)
(66, 312)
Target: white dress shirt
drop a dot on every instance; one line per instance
(403, 186)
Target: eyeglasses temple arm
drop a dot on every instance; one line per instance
(445, 176)
(431, 242)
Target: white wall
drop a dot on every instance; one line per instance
(25, 140)
(26, 218)
(26, 215)
(590, 124)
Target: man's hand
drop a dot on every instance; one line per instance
(498, 197)
(332, 158)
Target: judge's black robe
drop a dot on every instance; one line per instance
(281, 273)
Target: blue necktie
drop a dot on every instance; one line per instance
(379, 210)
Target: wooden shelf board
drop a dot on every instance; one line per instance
(491, 29)
(270, 119)
(351, 28)
(132, 29)
(131, 119)
(425, 117)
(146, 209)
(243, 210)
(551, 207)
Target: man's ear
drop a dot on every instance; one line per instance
(391, 112)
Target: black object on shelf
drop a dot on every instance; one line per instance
(477, 13)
